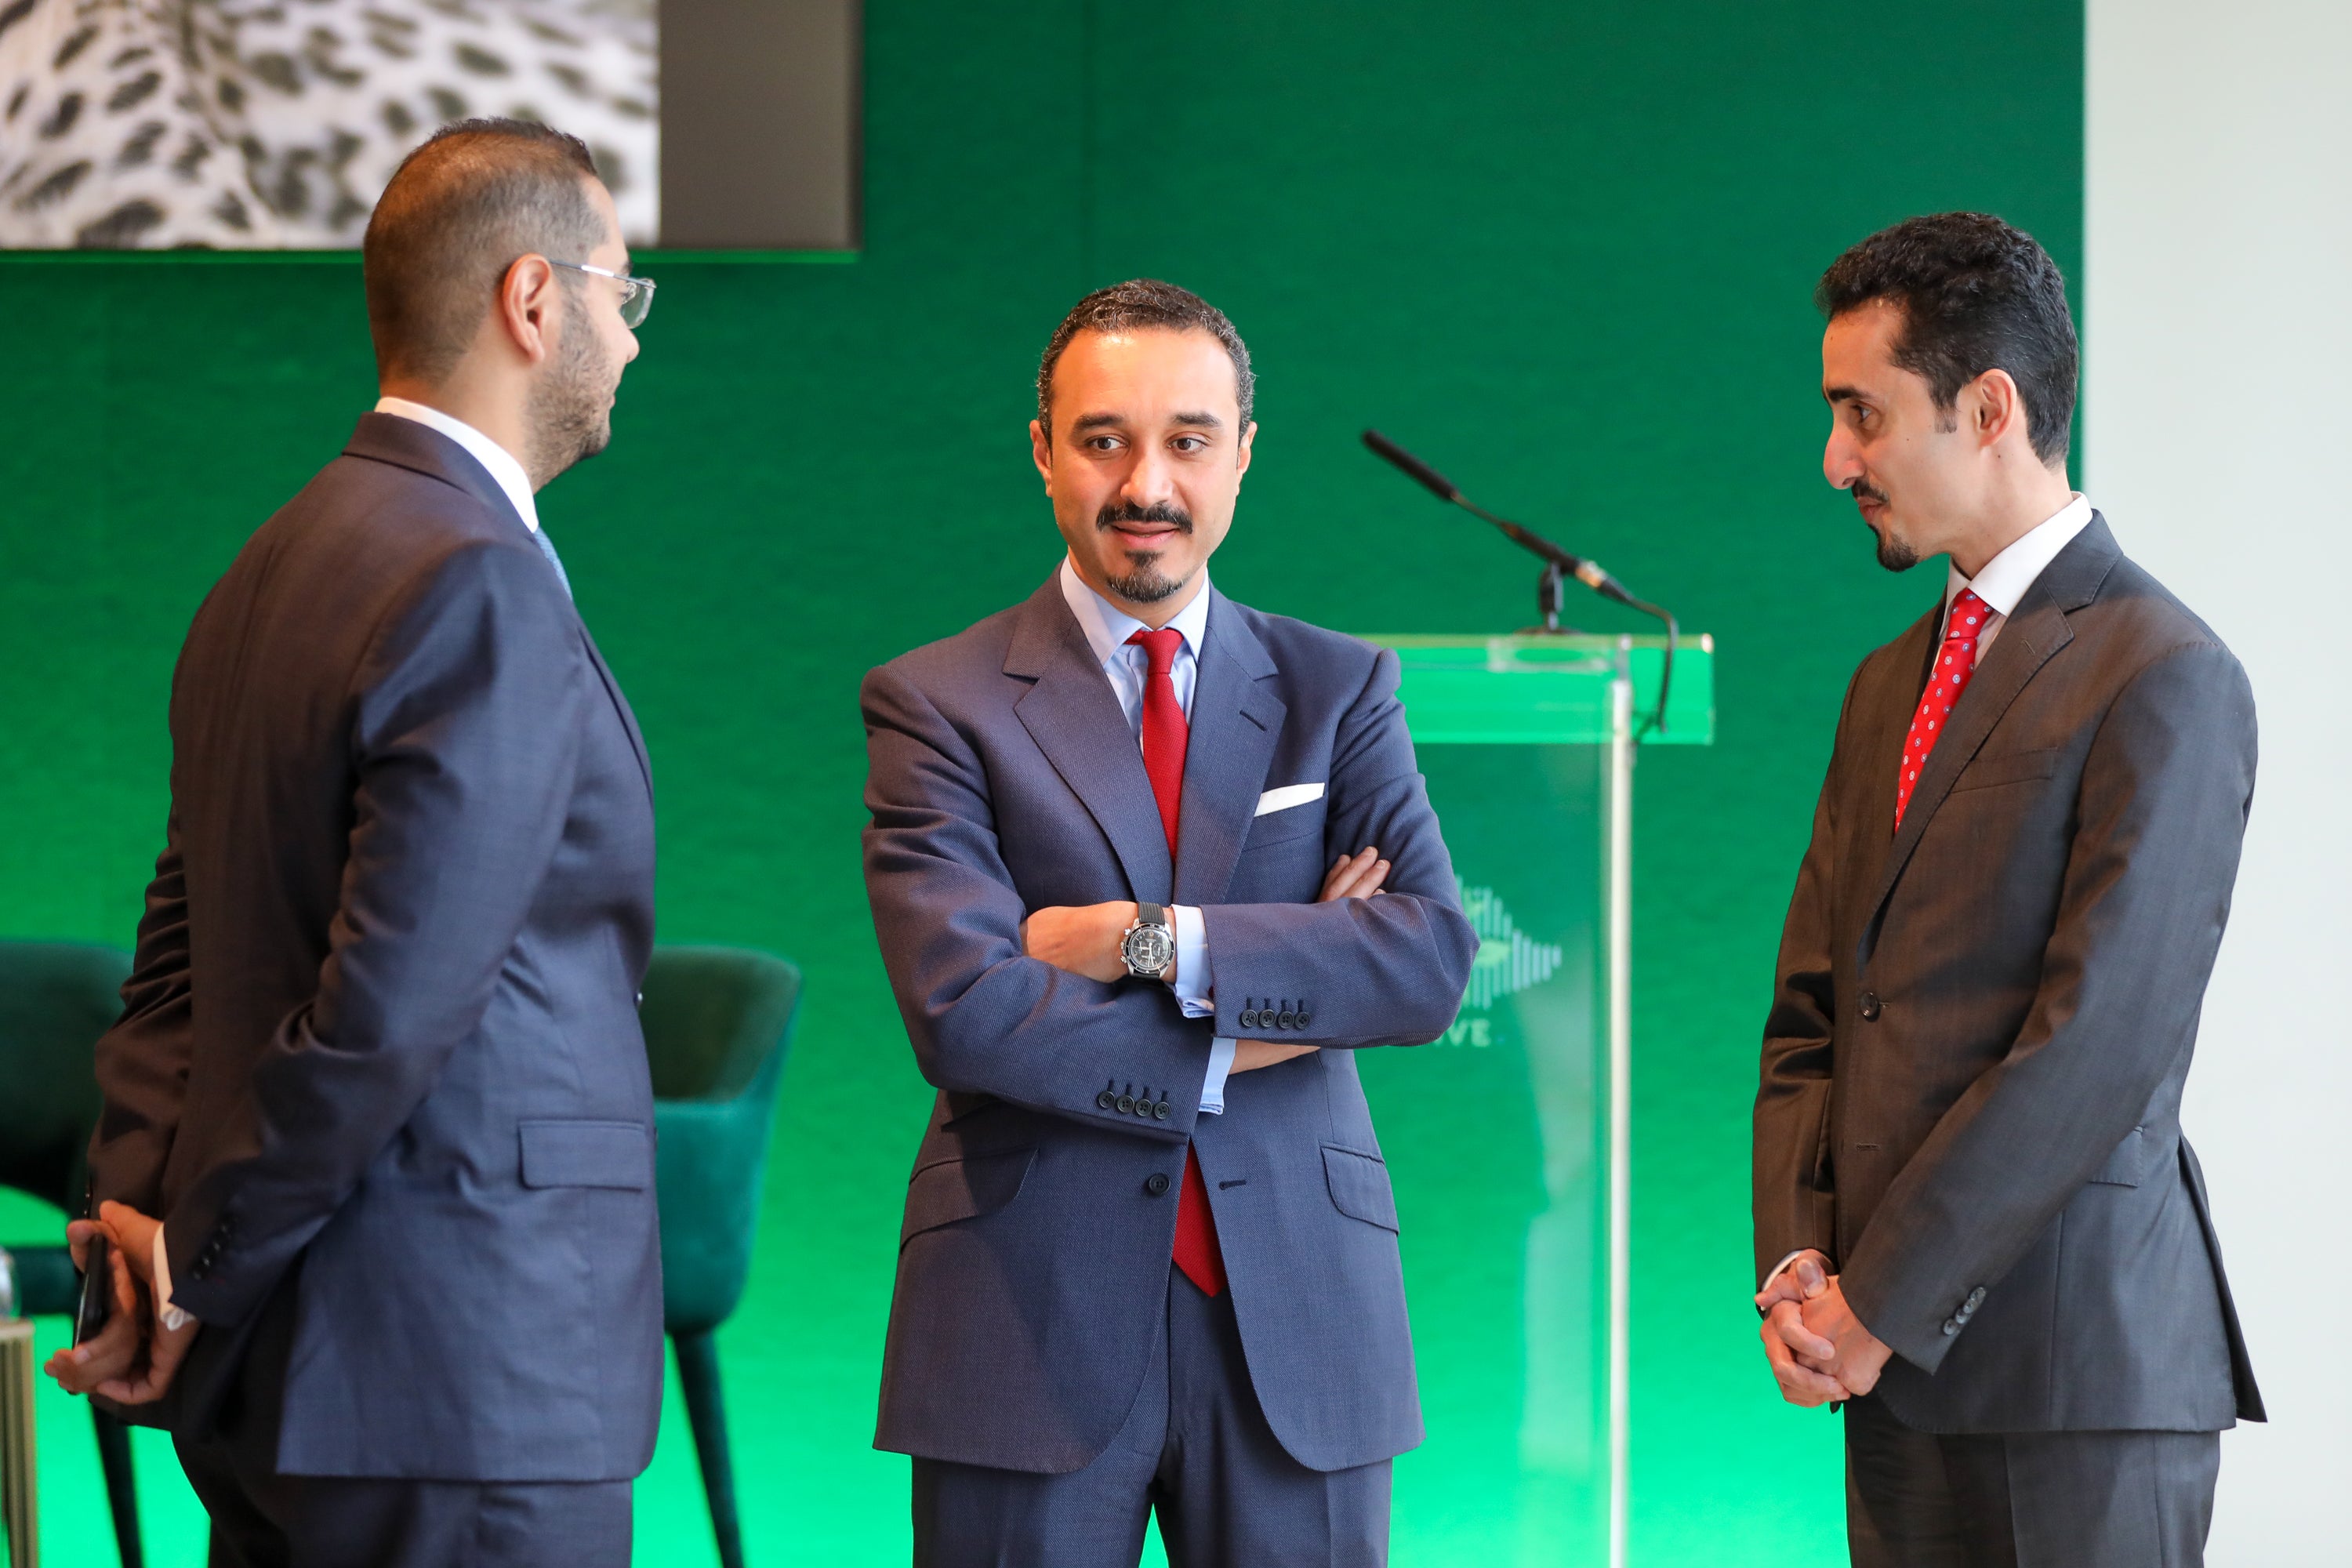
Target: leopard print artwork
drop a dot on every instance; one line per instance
(269, 123)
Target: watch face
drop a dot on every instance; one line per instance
(1148, 950)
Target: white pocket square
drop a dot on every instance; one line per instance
(1287, 796)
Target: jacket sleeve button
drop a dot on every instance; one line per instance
(1125, 1103)
(1975, 1299)
(1305, 1018)
(1289, 1020)
(1105, 1099)
(1156, 1183)
(1951, 1327)
(1248, 1019)
(1160, 1111)
(1871, 1006)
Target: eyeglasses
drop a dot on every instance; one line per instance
(636, 293)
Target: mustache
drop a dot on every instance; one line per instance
(1158, 511)
(1865, 490)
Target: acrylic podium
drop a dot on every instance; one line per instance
(1508, 1140)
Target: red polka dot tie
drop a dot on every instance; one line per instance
(1955, 664)
(1165, 738)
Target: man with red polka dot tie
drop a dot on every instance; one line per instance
(1980, 1231)
(1150, 869)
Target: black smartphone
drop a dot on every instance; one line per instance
(97, 1290)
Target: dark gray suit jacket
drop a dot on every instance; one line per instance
(1033, 1259)
(380, 1063)
(1973, 1066)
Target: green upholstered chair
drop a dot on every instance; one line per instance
(718, 1021)
(55, 999)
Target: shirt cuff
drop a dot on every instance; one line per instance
(1192, 983)
(1221, 1066)
(173, 1318)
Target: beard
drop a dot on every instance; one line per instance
(569, 415)
(1894, 552)
(1144, 583)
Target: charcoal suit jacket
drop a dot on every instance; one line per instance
(1033, 1255)
(1972, 1069)
(380, 1066)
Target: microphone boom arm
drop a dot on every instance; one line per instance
(1588, 573)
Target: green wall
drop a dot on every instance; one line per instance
(1564, 250)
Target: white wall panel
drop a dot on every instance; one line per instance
(2218, 437)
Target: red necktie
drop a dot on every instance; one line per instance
(1954, 666)
(1165, 734)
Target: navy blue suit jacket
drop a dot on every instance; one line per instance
(1034, 1258)
(380, 1063)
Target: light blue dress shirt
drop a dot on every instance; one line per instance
(1106, 629)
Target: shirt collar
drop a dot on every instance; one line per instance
(2006, 578)
(480, 448)
(1108, 626)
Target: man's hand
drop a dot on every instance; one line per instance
(154, 1352)
(1857, 1356)
(1081, 940)
(1786, 1337)
(114, 1350)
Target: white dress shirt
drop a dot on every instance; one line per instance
(1106, 629)
(502, 464)
(2007, 576)
(2000, 584)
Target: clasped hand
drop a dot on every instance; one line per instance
(1820, 1351)
(1084, 940)
(133, 1359)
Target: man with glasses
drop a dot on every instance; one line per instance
(379, 1076)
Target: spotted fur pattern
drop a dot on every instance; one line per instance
(267, 124)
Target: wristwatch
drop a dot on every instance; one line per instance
(1150, 944)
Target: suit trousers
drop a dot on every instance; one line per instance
(2025, 1499)
(1196, 1448)
(262, 1519)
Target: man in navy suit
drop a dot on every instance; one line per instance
(379, 1072)
(1148, 867)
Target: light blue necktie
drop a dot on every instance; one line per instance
(547, 548)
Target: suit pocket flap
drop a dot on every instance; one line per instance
(962, 1189)
(2128, 1163)
(2017, 767)
(587, 1154)
(1359, 1186)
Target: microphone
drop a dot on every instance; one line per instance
(1588, 573)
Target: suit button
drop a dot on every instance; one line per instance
(1160, 1111)
(1156, 1183)
(1247, 1018)
(1951, 1327)
(1976, 1299)
(1305, 1018)
(1107, 1099)
(1143, 1109)
(1289, 1020)
(1125, 1103)
(1870, 1007)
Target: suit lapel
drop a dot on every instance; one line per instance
(1235, 720)
(628, 718)
(1076, 720)
(2029, 639)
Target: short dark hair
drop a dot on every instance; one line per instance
(1976, 295)
(456, 214)
(1141, 304)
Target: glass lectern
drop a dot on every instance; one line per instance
(1508, 1140)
